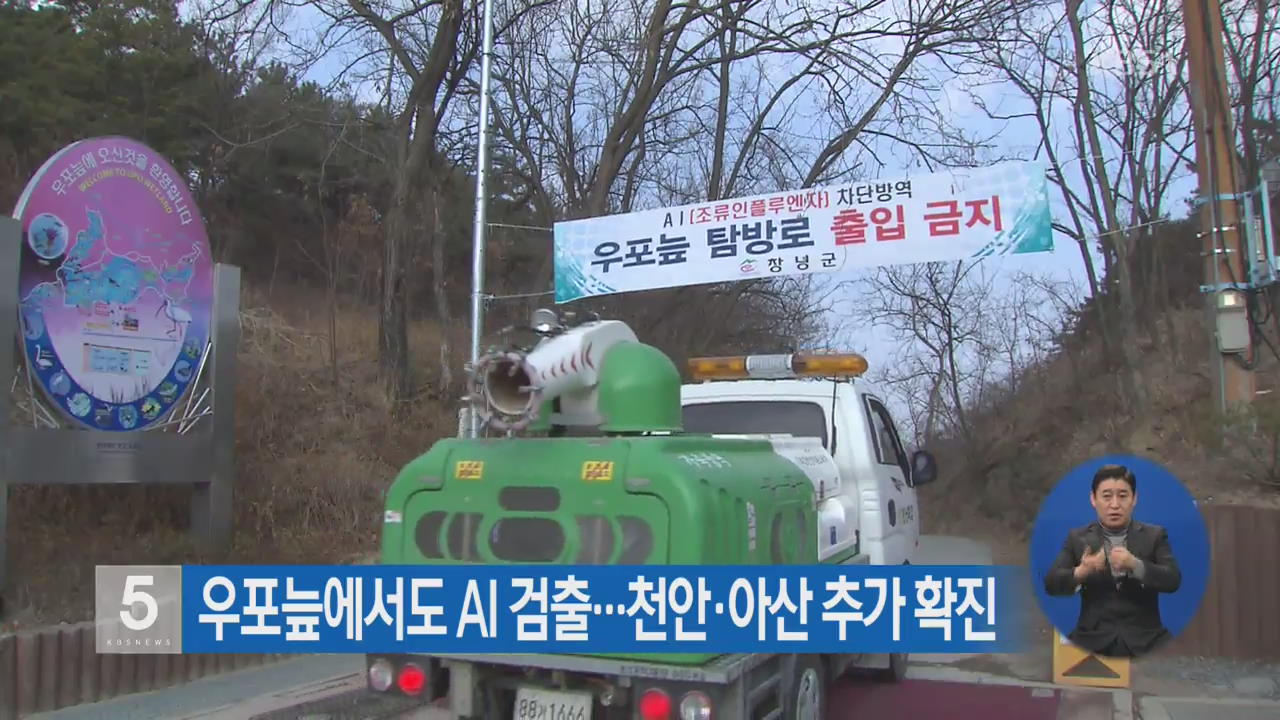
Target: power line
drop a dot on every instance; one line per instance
(519, 296)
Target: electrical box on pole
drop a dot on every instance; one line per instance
(1233, 322)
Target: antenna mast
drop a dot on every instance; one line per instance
(477, 244)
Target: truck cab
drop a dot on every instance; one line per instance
(822, 397)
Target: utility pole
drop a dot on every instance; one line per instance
(1225, 269)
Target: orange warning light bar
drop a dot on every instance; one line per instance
(843, 365)
(795, 365)
(719, 368)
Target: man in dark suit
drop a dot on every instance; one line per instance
(1118, 566)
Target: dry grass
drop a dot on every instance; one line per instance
(1070, 411)
(315, 455)
(313, 460)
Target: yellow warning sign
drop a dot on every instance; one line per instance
(469, 469)
(597, 471)
(1074, 666)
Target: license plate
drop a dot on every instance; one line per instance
(538, 704)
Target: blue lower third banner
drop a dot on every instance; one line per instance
(592, 609)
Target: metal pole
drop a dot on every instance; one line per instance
(482, 162)
(10, 260)
(1268, 243)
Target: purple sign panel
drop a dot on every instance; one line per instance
(116, 283)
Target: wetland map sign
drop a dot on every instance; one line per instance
(115, 284)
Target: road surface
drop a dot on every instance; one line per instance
(951, 550)
(332, 687)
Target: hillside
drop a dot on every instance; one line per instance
(315, 455)
(1068, 411)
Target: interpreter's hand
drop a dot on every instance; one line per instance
(1122, 559)
(1090, 563)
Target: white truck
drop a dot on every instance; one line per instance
(820, 397)
(823, 397)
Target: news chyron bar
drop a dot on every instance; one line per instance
(477, 609)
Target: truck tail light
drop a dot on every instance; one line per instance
(381, 675)
(695, 706)
(655, 705)
(412, 679)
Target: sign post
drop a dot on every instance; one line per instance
(128, 333)
(10, 238)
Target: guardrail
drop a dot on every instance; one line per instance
(56, 667)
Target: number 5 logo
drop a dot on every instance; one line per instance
(133, 595)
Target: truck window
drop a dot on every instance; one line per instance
(798, 418)
(889, 449)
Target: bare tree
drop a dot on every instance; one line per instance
(417, 54)
(963, 345)
(1252, 49)
(605, 106)
(1107, 95)
(939, 310)
(880, 90)
(422, 38)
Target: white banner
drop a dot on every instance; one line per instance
(969, 213)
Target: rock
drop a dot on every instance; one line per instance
(1255, 686)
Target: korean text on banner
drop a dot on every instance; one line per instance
(470, 609)
(971, 213)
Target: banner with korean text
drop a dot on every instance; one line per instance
(960, 214)
(591, 609)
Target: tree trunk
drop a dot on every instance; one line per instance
(931, 413)
(1131, 379)
(393, 330)
(438, 275)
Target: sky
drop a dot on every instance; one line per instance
(1064, 263)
